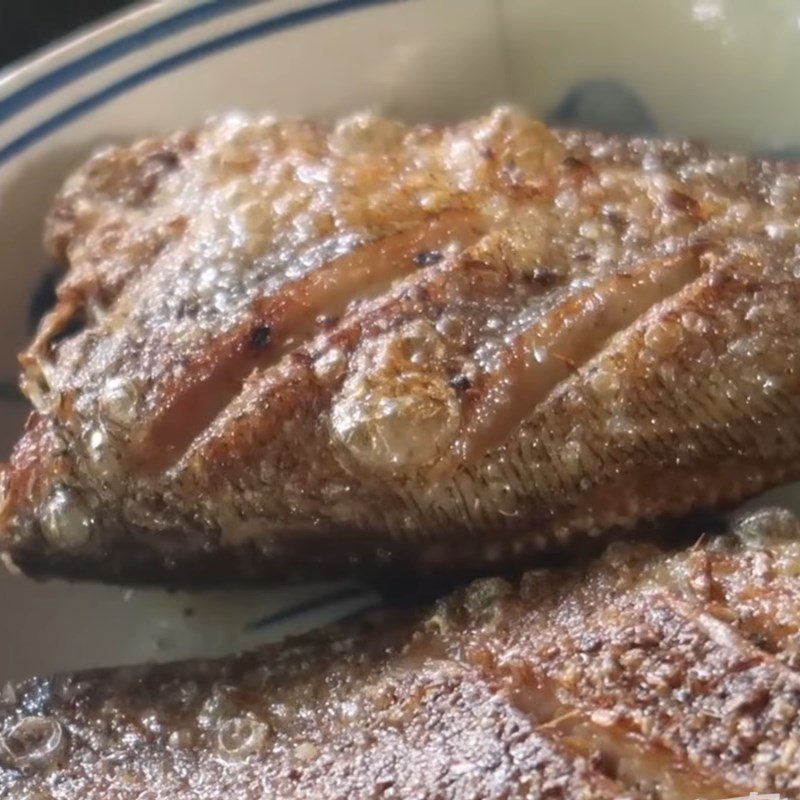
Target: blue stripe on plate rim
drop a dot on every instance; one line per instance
(105, 54)
(338, 595)
(262, 28)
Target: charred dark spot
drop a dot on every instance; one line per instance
(168, 159)
(43, 298)
(606, 763)
(545, 277)
(260, 337)
(684, 203)
(487, 153)
(758, 639)
(187, 309)
(153, 169)
(427, 258)
(461, 383)
(589, 643)
(327, 320)
(615, 219)
(575, 163)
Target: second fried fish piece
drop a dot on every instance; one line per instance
(286, 349)
(646, 676)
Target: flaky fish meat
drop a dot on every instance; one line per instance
(647, 675)
(288, 349)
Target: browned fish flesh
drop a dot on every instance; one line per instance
(284, 349)
(650, 675)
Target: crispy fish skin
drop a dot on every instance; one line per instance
(287, 349)
(647, 674)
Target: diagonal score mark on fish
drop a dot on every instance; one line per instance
(285, 322)
(568, 336)
(531, 367)
(541, 336)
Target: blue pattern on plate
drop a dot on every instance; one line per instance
(147, 36)
(10, 393)
(43, 297)
(313, 604)
(361, 613)
(604, 105)
(781, 154)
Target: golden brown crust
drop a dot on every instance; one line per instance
(433, 348)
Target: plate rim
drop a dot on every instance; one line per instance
(18, 74)
(296, 14)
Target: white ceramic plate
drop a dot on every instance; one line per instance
(724, 70)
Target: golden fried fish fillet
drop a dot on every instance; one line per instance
(648, 675)
(285, 349)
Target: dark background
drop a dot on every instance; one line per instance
(27, 25)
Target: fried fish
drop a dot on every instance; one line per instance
(647, 675)
(293, 349)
